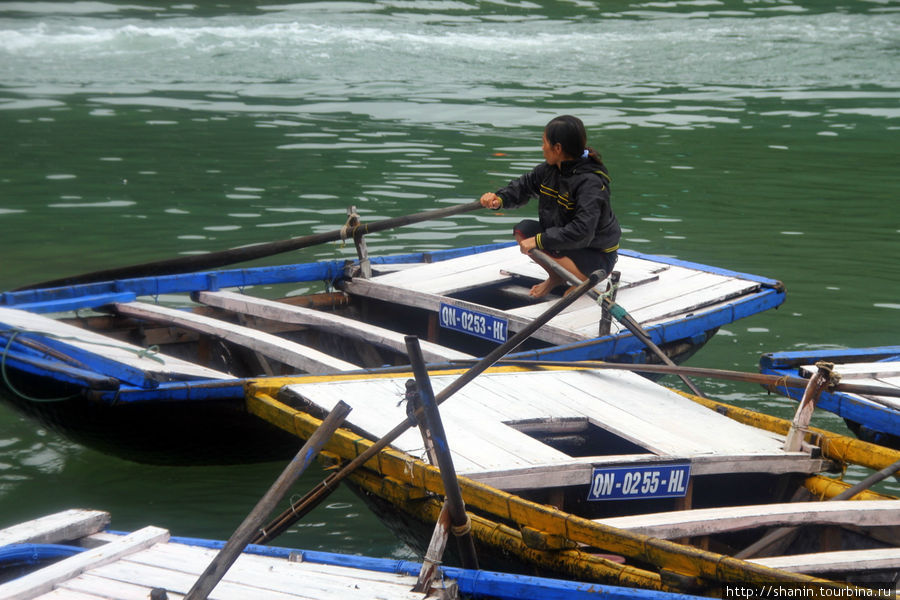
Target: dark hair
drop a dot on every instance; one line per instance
(569, 132)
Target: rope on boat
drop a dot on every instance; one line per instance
(150, 352)
(14, 389)
(349, 228)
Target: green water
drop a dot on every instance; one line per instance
(759, 136)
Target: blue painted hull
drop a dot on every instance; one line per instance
(870, 421)
(95, 402)
(20, 559)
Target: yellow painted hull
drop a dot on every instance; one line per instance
(549, 538)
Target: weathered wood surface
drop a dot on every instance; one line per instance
(482, 419)
(374, 288)
(131, 566)
(854, 561)
(70, 524)
(44, 580)
(285, 351)
(112, 349)
(650, 291)
(278, 311)
(677, 524)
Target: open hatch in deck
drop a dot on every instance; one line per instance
(541, 429)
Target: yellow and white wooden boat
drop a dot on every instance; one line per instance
(607, 476)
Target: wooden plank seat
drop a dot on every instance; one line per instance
(373, 288)
(838, 561)
(706, 521)
(59, 527)
(286, 313)
(285, 351)
(113, 357)
(44, 580)
(489, 420)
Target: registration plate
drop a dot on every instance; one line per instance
(474, 323)
(630, 483)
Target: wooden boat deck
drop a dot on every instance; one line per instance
(650, 291)
(133, 565)
(868, 373)
(487, 424)
(127, 362)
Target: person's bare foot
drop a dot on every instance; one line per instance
(542, 289)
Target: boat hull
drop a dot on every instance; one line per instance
(121, 409)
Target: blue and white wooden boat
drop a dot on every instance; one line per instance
(114, 363)
(72, 555)
(872, 418)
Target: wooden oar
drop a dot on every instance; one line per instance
(312, 499)
(239, 539)
(770, 382)
(456, 507)
(620, 314)
(213, 260)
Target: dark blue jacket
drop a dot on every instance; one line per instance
(573, 205)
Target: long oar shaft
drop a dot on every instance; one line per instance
(771, 382)
(239, 539)
(213, 260)
(329, 484)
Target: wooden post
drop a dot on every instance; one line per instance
(821, 378)
(359, 240)
(459, 520)
(242, 535)
(606, 319)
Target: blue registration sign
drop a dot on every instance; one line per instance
(630, 483)
(474, 323)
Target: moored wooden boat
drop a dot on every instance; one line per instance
(607, 476)
(872, 417)
(73, 555)
(112, 364)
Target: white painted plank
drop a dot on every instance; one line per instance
(178, 581)
(634, 271)
(476, 443)
(578, 471)
(862, 370)
(103, 587)
(478, 417)
(837, 561)
(108, 347)
(873, 374)
(676, 524)
(67, 594)
(457, 274)
(431, 302)
(43, 580)
(291, 353)
(286, 313)
(67, 525)
(277, 577)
